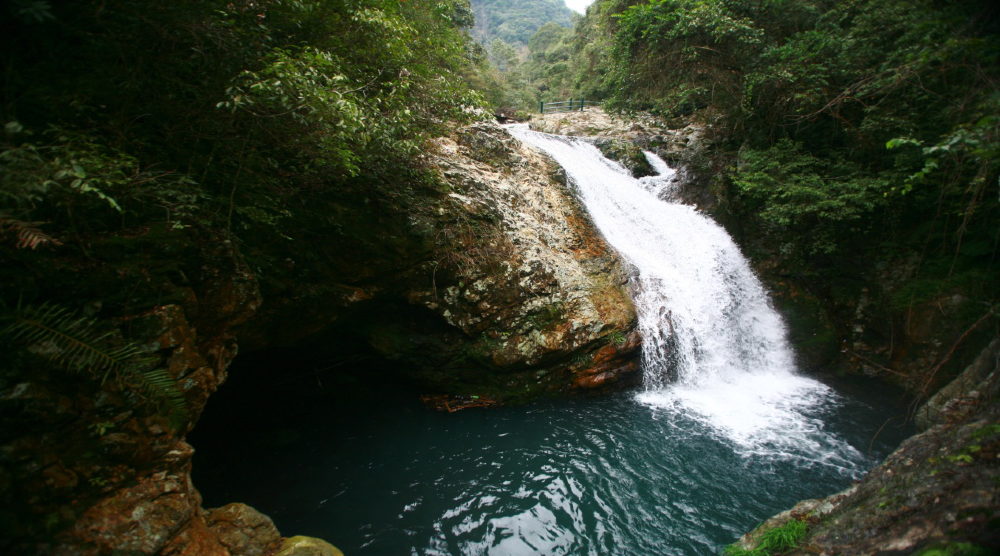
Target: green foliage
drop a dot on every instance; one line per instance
(581, 360)
(32, 11)
(955, 549)
(191, 111)
(861, 131)
(549, 65)
(976, 146)
(501, 78)
(986, 431)
(70, 175)
(102, 428)
(774, 541)
(672, 55)
(144, 138)
(68, 166)
(558, 63)
(78, 343)
(305, 85)
(797, 189)
(514, 21)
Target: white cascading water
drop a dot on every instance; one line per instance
(714, 349)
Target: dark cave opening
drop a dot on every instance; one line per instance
(274, 401)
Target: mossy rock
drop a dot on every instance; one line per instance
(626, 154)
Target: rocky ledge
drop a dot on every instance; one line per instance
(684, 144)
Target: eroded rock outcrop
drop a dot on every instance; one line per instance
(480, 274)
(539, 291)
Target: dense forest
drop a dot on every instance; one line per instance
(515, 21)
(134, 131)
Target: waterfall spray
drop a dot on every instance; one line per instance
(714, 349)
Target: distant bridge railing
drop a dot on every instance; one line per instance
(570, 105)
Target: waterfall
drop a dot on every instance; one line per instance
(714, 349)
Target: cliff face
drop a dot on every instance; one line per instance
(487, 279)
(490, 282)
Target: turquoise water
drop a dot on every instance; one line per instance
(375, 473)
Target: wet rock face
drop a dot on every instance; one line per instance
(243, 530)
(937, 491)
(307, 546)
(627, 154)
(88, 469)
(938, 487)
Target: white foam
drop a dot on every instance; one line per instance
(664, 184)
(714, 350)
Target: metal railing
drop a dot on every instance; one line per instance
(567, 106)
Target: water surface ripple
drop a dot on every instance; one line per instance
(590, 476)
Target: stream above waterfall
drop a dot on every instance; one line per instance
(724, 432)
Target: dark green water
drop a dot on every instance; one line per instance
(375, 473)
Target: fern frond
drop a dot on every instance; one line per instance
(75, 343)
(29, 236)
(78, 344)
(158, 383)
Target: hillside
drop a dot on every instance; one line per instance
(514, 21)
